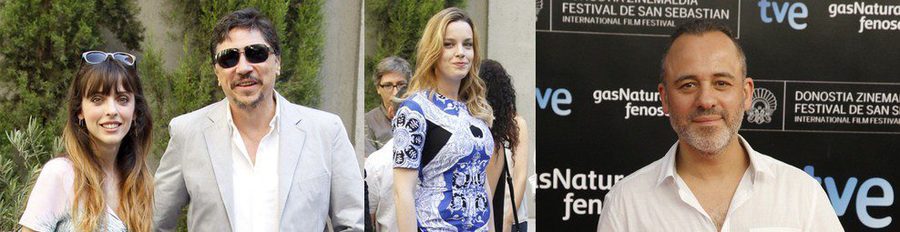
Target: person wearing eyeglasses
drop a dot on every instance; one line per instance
(101, 182)
(391, 75)
(255, 161)
(380, 180)
(442, 140)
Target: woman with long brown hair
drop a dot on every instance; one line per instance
(442, 143)
(101, 182)
(510, 133)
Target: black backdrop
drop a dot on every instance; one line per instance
(827, 97)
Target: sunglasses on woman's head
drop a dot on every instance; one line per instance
(255, 53)
(96, 57)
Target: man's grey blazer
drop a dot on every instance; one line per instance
(318, 172)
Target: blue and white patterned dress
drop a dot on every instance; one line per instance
(451, 150)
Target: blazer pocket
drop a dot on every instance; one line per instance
(313, 189)
(775, 229)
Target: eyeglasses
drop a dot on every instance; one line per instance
(96, 57)
(255, 53)
(390, 86)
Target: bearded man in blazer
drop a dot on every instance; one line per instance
(254, 161)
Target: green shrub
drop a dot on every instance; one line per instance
(398, 25)
(41, 48)
(299, 25)
(20, 164)
(39, 54)
(193, 84)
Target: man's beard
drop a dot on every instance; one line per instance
(249, 106)
(708, 139)
(252, 105)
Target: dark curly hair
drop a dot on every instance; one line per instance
(502, 98)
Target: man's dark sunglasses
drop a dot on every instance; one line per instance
(255, 53)
(96, 57)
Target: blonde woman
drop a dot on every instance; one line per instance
(102, 182)
(442, 140)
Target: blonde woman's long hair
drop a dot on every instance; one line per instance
(428, 51)
(136, 183)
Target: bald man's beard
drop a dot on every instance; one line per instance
(710, 140)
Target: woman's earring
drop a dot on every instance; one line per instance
(81, 122)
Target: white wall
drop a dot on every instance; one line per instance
(159, 33)
(510, 29)
(341, 57)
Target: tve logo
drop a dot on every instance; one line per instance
(791, 11)
(556, 98)
(841, 199)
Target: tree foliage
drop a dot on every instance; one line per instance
(41, 48)
(397, 27)
(39, 54)
(299, 26)
(192, 84)
(20, 164)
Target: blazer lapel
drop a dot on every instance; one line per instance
(218, 143)
(291, 141)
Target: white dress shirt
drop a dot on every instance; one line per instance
(255, 188)
(772, 196)
(380, 179)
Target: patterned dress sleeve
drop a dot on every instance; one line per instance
(409, 134)
(49, 198)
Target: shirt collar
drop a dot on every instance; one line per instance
(384, 111)
(758, 164)
(272, 124)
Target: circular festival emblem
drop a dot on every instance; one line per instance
(762, 107)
